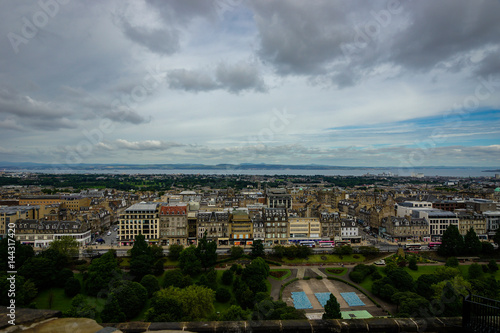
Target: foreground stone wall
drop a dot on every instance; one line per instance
(386, 325)
(30, 318)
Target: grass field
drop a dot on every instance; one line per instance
(62, 302)
(325, 259)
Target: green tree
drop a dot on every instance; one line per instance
(410, 304)
(140, 247)
(257, 249)
(141, 265)
(102, 271)
(267, 309)
(80, 308)
(493, 266)
(401, 280)
(278, 251)
(222, 295)
(452, 243)
(304, 251)
(343, 250)
(234, 313)
(63, 276)
(423, 285)
(449, 294)
(72, 287)
(131, 297)
(236, 251)
(174, 251)
(412, 264)
(452, 262)
(487, 248)
(164, 307)
(472, 243)
(42, 271)
(150, 283)
(255, 274)
(446, 273)
(195, 302)
(189, 261)
(206, 252)
(112, 313)
(227, 277)
(66, 246)
(175, 278)
(475, 271)
(332, 309)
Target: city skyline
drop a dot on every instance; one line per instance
(385, 83)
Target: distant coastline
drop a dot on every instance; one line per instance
(247, 169)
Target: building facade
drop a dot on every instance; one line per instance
(139, 219)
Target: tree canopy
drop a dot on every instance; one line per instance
(452, 243)
(332, 309)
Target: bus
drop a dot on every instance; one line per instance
(308, 243)
(326, 244)
(434, 245)
(413, 247)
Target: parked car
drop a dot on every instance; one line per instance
(380, 262)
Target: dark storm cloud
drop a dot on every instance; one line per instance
(125, 116)
(174, 14)
(347, 40)
(162, 41)
(234, 78)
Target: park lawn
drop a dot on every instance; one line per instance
(330, 258)
(125, 262)
(288, 273)
(421, 270)
(62, 302)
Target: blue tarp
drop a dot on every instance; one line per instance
(300, 300)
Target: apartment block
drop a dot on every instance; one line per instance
(173, 225)
(140, 218)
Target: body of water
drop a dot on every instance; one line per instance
(427, 172)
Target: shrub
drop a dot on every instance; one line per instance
(151, 284)
(306, 278)
(319, 277)
(487, 248)
(493, 266)
(72, 287)
(413, 264)
(376, 275)
(227, 277)
(452, 262)
(475, 271)
(222, 295)
(356, 276)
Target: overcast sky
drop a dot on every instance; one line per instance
(353, 83)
